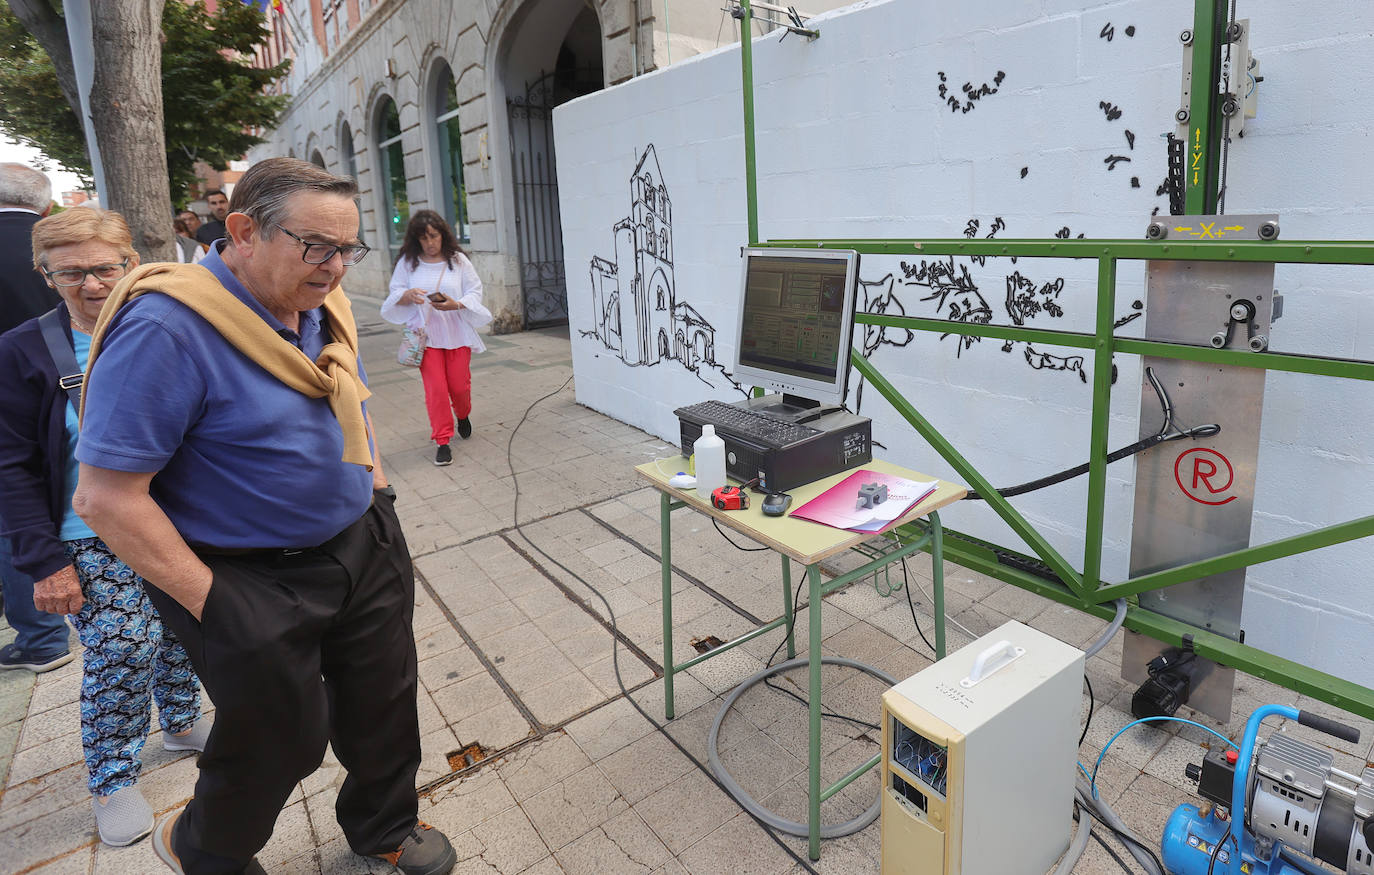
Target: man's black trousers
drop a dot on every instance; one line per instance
(296, 650)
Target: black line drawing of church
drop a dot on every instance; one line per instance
(634, 299)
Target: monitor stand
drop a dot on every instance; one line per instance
(795, 408)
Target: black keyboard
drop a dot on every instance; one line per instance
(753, 425)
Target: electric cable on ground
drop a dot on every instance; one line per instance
(722, 778)
(1099, 809)
(796, 597)
(906, 579)
(1089, 722)
(793, 827)
(615, 641)
(1111, 852)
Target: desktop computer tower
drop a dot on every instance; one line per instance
(844, 441)
(978, 758)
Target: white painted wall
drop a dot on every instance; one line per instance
(855, 141)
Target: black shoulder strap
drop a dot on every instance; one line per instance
(69, 375)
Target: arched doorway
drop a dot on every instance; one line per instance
(551, 55)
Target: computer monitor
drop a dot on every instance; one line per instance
(795, 320)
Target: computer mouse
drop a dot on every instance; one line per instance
(776, 503)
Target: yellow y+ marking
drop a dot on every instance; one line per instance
(1197, 152)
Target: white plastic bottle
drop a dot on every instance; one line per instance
(709, 452)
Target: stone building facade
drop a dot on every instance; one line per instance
(446, 106)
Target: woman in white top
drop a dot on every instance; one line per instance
(435, 286)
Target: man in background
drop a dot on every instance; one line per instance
(25, 197)
(219, 208)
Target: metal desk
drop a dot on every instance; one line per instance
(809, 544)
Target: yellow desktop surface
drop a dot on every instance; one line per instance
(802, 540)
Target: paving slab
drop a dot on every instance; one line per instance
(563, 772)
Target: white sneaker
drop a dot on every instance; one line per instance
(193, 740)
(123, 818)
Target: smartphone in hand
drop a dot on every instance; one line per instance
(438, 297)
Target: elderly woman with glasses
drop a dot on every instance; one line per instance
(130, 659)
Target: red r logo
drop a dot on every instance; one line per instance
(1206, 466)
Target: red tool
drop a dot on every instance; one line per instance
(730, 498)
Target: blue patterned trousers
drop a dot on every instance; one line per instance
(128, 654)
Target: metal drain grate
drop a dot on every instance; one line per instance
(708, 643)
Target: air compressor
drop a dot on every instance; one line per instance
(1274, 806)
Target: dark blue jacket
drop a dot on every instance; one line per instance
(23, 293)
(33, 450)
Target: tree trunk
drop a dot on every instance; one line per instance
(126, 107)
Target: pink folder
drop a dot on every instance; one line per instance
(837, 506)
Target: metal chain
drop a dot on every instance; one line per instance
(1226, 123)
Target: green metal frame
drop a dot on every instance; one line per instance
(1084, 589)
(1202, 170)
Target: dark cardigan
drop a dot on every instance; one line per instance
(33, 449)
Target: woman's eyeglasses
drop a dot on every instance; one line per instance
(75, 276)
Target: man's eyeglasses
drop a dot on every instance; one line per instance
(319, 253)
(77, 276)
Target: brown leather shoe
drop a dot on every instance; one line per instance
(162, 841)
(162, 846)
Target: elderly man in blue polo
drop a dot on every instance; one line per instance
(227, 457)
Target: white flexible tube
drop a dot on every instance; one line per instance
(1078, 845)
(791, 827)
(1085, 819)
(1103, 812)
(1107, 634)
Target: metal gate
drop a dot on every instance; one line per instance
(538, 225)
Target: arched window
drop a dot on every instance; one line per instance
(391, 162)
(349, 161)
(317, 159)
(448, 140)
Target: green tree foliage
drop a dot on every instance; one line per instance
(32, 108)
(213, 98)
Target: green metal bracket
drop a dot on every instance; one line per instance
(1201, 170)
(1017, 522)
(746, 60)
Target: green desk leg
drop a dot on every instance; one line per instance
(813, 574)
(665, 540)
(787, 607)
(937, 575)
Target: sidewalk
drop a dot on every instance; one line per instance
(534, 761)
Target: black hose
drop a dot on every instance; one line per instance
(1070, 473)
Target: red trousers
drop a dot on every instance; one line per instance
(448, 389)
